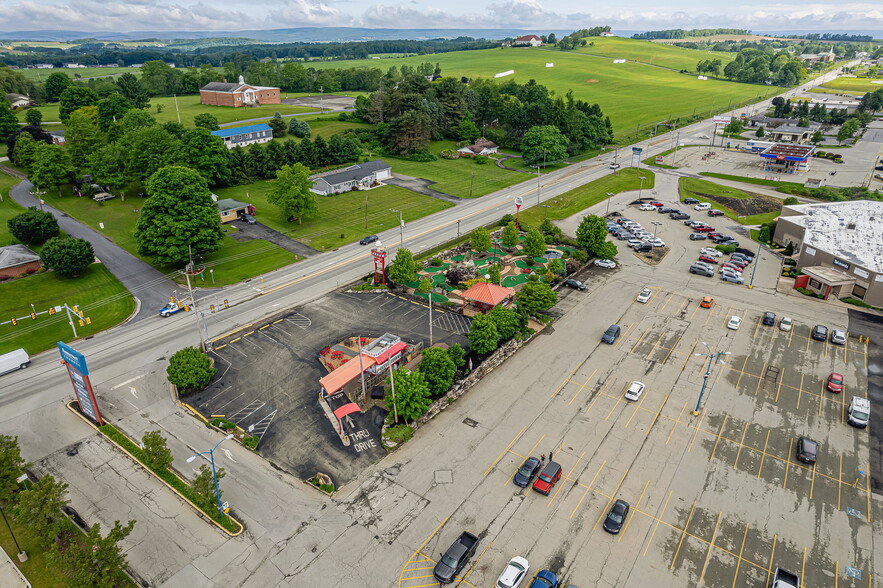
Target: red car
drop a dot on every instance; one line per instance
(834, 383)
(705, 229)
(715, 213)
(713, 234)
(741, 264)
(656, 203)
(551, 473)
(707, 259)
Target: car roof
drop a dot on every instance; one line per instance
(859, 402)
(809, 443)
(836, 375)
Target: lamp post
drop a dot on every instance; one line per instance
(458, 229)
(38, 194)
(641, 189)
(609, 196)
(211, 454)
(711, 358)
(545, 210)
(656, 224)
(754, 269)
(401, 227)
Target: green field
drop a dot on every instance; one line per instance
(632, 94)
(688, 187)
(37, 569)
(101, 296)
(341, 217)
(862, 85)
(651, 53)
(578, 199)
(8, 208)
(82, 73)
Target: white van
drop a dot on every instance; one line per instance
(859, 412)
(702, 206)
(14, 360)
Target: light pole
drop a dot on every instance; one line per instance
(211, 453)
(711, 358)
(38, 194)
(545, 211)
(754, 269)
(609, 196)
(641, 189)
(401, 227)
(458, 229)
(656, 224)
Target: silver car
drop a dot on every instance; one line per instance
(727, 277)
(838, 336)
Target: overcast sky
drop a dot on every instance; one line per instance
(230, 15)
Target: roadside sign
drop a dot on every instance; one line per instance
(722, 120)
(659, 159)
(637, 150)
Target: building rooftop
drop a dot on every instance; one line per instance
(229, 204)
(791, 129)
(355, 172)
(788, 152)
(15, 255)
(242, 130)
(847, 230)
(221, 87)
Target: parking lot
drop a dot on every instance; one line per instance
(268, 378)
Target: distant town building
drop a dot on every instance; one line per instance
(817, 57)
(527, 41)
(73, 65)
(44, 66)
(241, 136)
(238, 94)
(19, 101)
(607, 34)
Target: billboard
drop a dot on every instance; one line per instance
(660, 159)
(75, 362)
(722, 120)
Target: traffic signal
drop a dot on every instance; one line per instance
(34, 315)
(14, 322)
(51, 310)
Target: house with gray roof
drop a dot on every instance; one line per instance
(16, 260)
(361, 176)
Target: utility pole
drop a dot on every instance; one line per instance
(429, 296)
(70, 319)
(711, 358)
(362, 370)
(471, 183)
(677, 143)
(401, 227)
(187, 271)
(176, 108)
(366, 209)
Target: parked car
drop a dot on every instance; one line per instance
(248, 219)
(526, 472)
(664, 209)
(548, 477)
(634, 241)
(859, 412)
(807, 449)
(513, 574)
(611, 334)
(834, 383)
(368, 240)
(720, 238)
(704, 229)
(608, 263)
(734, 323)
(656, 203)
(715, 213)
(693, 223)
(707, 259)
(838, 336)
(645, 295)
(820, 332)
(742, 256)
(615, 166)
(616, 516)
(455, 558)
(643, 248)
(679, 215)
(690, 201)
(714, 234)
(635, 390)
(575, 284)
(785, 324)
(706, 302)
(711, 252)
(726, 277)
(731, 266)
(703, 206)
(769, 319)
(697, 236)
(701, 270)
(657, 242)
(647, 207)
(729, 241)
(544, 579)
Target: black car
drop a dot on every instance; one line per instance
(769, 319)
(369, 239)
(820, 333)
(715, 213)
(643, 248)
(616, 517)
(690, 201)
(720, 238)
(679, 215)
(526, 472)
(576, 284)
(807, 450)
(664, 210)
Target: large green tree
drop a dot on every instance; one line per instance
(189, 370)
(507, 321)
(847, 130)
(98, 561)
(403, 267)
(207, 154)
(543, 143)
(51, 167)
(157, 455)
(11, 467)
(480, 240)
(534, 244)
(534, 296)
(179, 216)
(39, 507)
(25, 151)
(73, 98)
(483, 334)
(8, 121)
(112, 109)
(108, 166)
(130, 87)
(591, 234)
(412, 394)
(438, 370)
(207, 121)
(83, 136)
(66, 256)
(34, 117)
(55, 85)
(509, 236)
(291, 193)
(147, 149)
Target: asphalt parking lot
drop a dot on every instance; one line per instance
(268, 378)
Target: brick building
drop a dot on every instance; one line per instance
(16, 260)
(238, 94)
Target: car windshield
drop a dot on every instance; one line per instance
(545, 478)
(836, 380)
(526, 469)
(859, 415)
(615, 517)
(449, 561)
(809, 446)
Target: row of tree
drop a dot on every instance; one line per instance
(683, 34)
(756, 66)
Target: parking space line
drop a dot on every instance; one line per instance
(658, 519)
(788, 462)
(610, 500)
(652, 349)
(760, 379)
(599, 394)
(803, 565)
(763, 455)
(689, 355)
(683, 534)
(475, 563)
(670, 296)
(739, 559)
(612, 408)
(678, 340)
(676, 423)
(800, 389)
(639, 340)
(638, 406)
(812, 484)
(756, 326)
(624, 335)
(502, 453)
(588, 488)
(419, 551)
(808, 339)
(839, 477)
(698, 426)
(567, 379)
(769, 569)
(530, 451)
(741, 445)
(694, 312)
(710, 546)
(779, 387)
(868, 489)
(637, 504)
(578, 392)
(716, 441)
(741, 372)
(566, 477)
(790, 336)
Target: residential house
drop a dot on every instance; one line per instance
(480, 147)
(44, 66)
(20, 101)
(73, 65)
(16, 260)
(527, 41)
(241, 136)
(238, 94)
(230, 210)
(607, 34)
(57, 137)
(361, 176)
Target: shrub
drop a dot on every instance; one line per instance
(190, 370)
(481, 159)
(449, 154)
(805, 291)
(422, 157)
(581, 256)
(469, 283)
(223, 424)
(251, 441)
(399, 433)
(791, 200)
(506, 219)
(529, 261)
(790, 262)
(726, 249)
(436, 261)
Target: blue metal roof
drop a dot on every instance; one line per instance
(241, 130)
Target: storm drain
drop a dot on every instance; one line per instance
(470, 422)
(443, 477)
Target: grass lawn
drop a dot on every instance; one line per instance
(651, 53)
(691, 187)
(862, 85)
(580, 198)
(8, 208)
(50, 115)
(632, 94)
(189, 107)
(83, 73)
(823, 90)
(237, 261)
(37, 569)
(97, 293)
(757, 181)
(326, 127)
(341, 217)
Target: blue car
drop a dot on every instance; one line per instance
(544, 579)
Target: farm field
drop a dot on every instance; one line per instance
(654, 54)
(861, 85)
(632, 94)
(81, 73)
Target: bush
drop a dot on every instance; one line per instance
(399, 433)
(481, 159)
(791, 200)
(726, 249)
(506, 219)
(790, 262)
(33, 226)
(223, 424)
(251, 441)
(581, 256)
(369, 287)
(422, 157)
(190, 370)
(805, 291)
(529, 261)
(436, 261)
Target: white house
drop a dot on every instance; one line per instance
(527, 41)
(480, 147)
(242, 136)
(356, 177)
(607, 34)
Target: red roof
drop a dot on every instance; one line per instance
(488, 293)
(528, 38)
(384, 357)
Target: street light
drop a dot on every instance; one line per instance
(609, 196)
(711, 358)
(211, 453)
(656, 224)
(545, 210)
(754, 269)
(641, 189)
(401, 226)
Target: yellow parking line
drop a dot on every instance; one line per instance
(716, 441)
(652, 349)
(839, 477)
(868, 489)
(578, 392)
(502, 453)
(769, 569)
(677, 422)
(624, 335)
(656, 526)
(664, 304)
(788, 462)
(610, 501)
(741, 445)
(739, 559)
(422, 545)
(567, 379)
(763, 455)
(589, 487)
(508, 479)
(812, 484)
(567, 477)
(637, 504)
(698, 426)
(800, 390)
(808, 339)
(779, 387)
(790, 335)
(689, 355)
(803, 565)
(618, 400)
(683, 534)
(742, 371)
(678, 340)
(710, 546)
(821, 398)
(756, 326)
(639, 340)
(760, 379)
(475, 563)
(599, 394)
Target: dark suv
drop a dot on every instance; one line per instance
(769, 318)
(820, 332)
(807, 450)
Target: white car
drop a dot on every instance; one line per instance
(657, 242)
(615, 166)
(608, 263)
(645, 295)
(635, 390)
(785, 324)
(514, 574)
(647, 207)
(734, 323)
(711, 252)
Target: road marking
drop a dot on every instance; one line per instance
(683, 534)
(763, 455)
(567, 379)
(741, 445)
(588, 488)
(637, 504)
(803, 565)
(742, 371)
(696, 430)
(769, 569)
(616, 404)
(502, 453)
(639, 340)
(689, 355)
(739, 559)
(656, 526)
(419, 551)
(129, 381)
(800, 389)
(229, 455)
(840, 477)
(567, 477)
(509, 478)
(710, 546)
(760, 379)
(599, 394)
(788, 462)
(812, 484)
(672, 349)
(578, 392)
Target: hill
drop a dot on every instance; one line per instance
(651, 53)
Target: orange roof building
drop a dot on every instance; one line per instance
(485, 296)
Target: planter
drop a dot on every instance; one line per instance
(322, 483)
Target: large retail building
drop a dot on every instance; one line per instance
(840, 247)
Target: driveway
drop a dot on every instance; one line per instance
(420, 186)
(249, 232)
(150, 286)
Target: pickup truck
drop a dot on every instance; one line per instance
(784, 579)
(171, 308)
(453, 560)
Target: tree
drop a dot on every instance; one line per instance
(534, 296)
(543, 143)
(555, 266)
(203, 485)
(278, 125)
(438, 370)
(207, 121)
(207, 154)
(493, 272)
(157, 455)
(424, 286)
(299, 128)
(112, 109)
(130, 87)
(409, 133)
(483, 334)
(403, 267)
(98, 561)
(804, 121)
(38, 135)
(33, 227)
(509, 236)
(480, 240)
(412, 395)
(83, 136)
(291, 193)
(847, 129)
(51, 168)
(759, 133)
(817, 137)
(25, 151)
(55, 85)
(506, 320)
(73, 98)
(33, 117)
(592, 234)
(190, 370)
(147, 149)
(11, 467)
(108, 165)
(764, 235)
(67, 256)
(8, 121)
(178, 216)
(456, 354)
(467, 130)
(40, 509)
(534, 244)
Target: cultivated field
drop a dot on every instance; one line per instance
(643, 52)
(854, 84)
(83, 73)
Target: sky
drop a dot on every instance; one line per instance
(230, 15)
